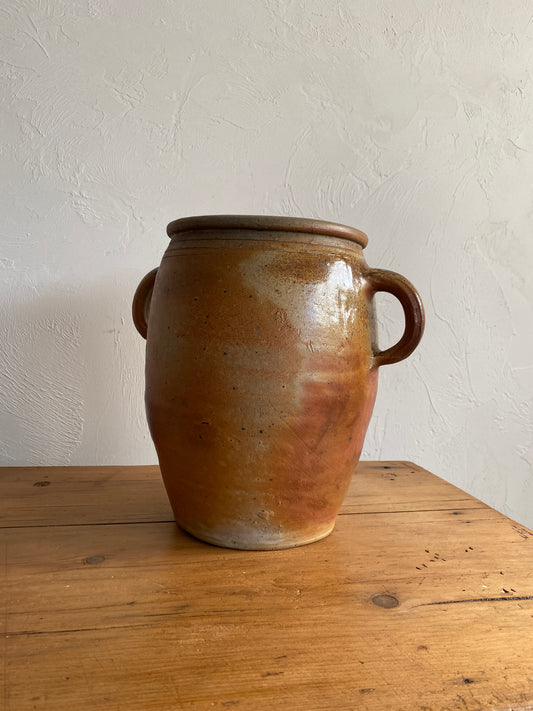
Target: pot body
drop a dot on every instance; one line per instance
(261, 375)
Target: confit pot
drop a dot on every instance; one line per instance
(261, 372)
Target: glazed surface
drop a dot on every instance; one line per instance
(259, 384)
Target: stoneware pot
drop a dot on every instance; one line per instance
(261, 372)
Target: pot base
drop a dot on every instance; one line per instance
(256, 541)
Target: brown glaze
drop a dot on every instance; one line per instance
(261, 372)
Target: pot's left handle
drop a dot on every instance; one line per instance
(141, 302)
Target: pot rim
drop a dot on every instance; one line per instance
(267, 223)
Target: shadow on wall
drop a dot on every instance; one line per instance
(69, 395)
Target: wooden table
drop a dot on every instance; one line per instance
(422, 598)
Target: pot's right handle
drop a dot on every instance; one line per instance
(407, 295)
(141, 302)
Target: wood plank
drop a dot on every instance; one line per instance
(46, 496)
(142, 616)
(402, 486)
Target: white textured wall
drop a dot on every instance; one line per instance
(412, 120)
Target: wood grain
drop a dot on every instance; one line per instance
(138, 615)
(48, 496)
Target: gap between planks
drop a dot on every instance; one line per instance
(166, 521)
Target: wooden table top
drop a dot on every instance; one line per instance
(421, 598)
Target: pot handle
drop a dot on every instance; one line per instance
(141, 302)
(413, 309)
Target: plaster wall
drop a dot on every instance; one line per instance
(412, 120)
